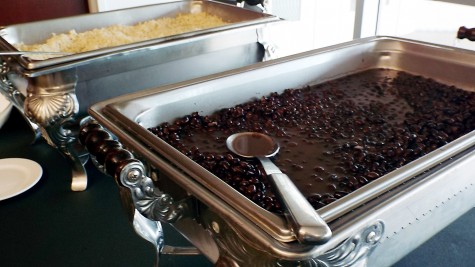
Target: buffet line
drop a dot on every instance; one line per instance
(367, 131)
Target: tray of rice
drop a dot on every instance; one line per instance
(97, 34)
(137, 47)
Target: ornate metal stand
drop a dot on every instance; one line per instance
(50, 105)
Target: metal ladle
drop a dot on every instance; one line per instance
(307, 225)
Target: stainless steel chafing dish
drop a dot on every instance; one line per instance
(55, 93)
(375, 225)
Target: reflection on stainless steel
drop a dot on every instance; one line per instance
(307, 225)
(14, 95)
(355, 250)
(149, 230)
(60, 89)
(152, 232)
(375, 225)
(42, 55)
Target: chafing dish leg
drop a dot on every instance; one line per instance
(77, 157)
(149, 230)
(152, 231)
(62, 136)
(49, 107)
(51, 103)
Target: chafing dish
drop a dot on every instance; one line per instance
(375, 225)
(55, 93)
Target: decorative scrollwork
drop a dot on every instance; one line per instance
(6, 86)
(355, 250)
(4, 68)
(47, 109)
(234, 250)
(148, 199)
(51, 98)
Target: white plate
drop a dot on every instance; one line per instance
(17, 175)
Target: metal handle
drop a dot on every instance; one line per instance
(150, 204)
(107, 151)
(307, 225)
(130, 173)
(466, 33)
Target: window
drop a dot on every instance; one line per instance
(425, 20)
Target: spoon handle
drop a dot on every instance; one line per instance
(307, 225)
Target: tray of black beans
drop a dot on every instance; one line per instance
(335, 137)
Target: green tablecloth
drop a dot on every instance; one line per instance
(49, 225)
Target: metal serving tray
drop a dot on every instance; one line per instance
(144, 64)
(61, 89)
(37, 32)
(374, 216)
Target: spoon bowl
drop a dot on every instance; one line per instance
(252, 145)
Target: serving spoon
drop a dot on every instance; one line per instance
(306, 223)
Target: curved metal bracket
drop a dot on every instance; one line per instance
(355, 250)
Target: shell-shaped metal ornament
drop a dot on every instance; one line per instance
(47, 109)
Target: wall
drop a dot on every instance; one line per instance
(106, 5)
(19, 11)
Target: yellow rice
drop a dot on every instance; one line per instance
(73, 42)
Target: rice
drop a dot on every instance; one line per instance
(73, 42)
